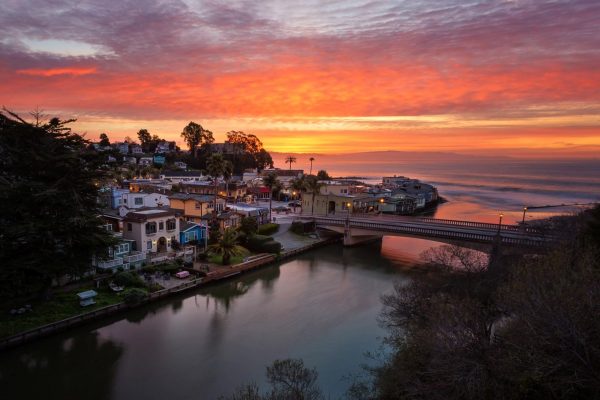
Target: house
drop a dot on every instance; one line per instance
(180, 165)
(152, 230)
(123, 148)
(136, 200)
(234, 191)
(330, 204)
(136, 149)
(148, 185)
(191, 233)
(130, 160)
(178, 176)
(146, 161)
(260, 214)
(227, 148)
(159, 159)
(285, 176)
(116, 197)
(164, 147)
(227, 219)
(122, 255)
(194, 206)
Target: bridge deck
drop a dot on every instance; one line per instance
(480, 232)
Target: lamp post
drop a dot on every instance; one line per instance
(500, 223)
(524, 211)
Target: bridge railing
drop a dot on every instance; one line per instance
(430, 232)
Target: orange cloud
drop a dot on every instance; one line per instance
(57, 71)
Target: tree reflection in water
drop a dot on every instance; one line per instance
(61, 369)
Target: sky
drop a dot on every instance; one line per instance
(492, 77)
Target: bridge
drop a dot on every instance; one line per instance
(357, 229)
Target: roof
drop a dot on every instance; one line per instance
(144, 214)
(186, 226)
(204, 198)
(181, 173)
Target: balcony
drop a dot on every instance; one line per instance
(109, 264)
(134, 257)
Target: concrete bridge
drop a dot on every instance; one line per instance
(358, 229)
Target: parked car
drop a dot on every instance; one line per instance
(281, 209)
(294, 203)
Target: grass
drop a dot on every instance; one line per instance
(59, 307)
(218, 259)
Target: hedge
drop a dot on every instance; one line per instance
(263, 244)
(268, 229)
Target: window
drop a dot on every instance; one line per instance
(171, 224)
(139, 201)
(125, 200)
(189, 236)
(161, 226)
(149, 245)
(129, 227)
(150, 228)
(198, 205)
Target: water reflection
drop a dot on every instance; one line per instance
(63, 369)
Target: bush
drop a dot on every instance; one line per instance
(297, 227)
(128, 279)
(268, 229)
(248, 225)
(134, 296)
(263, 244)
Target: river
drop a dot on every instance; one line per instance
(321, 306)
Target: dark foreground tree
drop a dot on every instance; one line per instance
(289, 380)
(49, 223)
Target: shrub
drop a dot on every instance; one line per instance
(134, 296)
(268, 229)
(248, 225)
(263, 244)
(128, 279)
(297, 227)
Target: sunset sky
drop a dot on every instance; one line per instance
(510, 77)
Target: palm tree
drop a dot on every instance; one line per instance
(298, 186)
(217, 166)
(311, 161)
(290, 160)
(227, 246)
(312, 185)
(271, 182)
(227, 173)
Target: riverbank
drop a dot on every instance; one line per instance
(212, 277)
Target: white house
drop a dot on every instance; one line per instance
(135, 200)
(152, 230)
(136, 149)
(146, 161)
(122, 147)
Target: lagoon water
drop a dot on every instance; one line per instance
(321, 306)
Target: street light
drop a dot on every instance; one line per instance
(524, 211)
(500, 223)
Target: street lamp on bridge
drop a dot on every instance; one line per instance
(500, 222)
(524, 211)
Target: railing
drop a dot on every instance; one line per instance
(134, 258)
(117, 262)
(521, 238)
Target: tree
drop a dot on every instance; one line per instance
(217, 167)
(322, 175)
(195, 135)
(104, 141)
(49, 221)
(248, 225)
(271, 182)
(227, 246)
(263, 160)
(290, 160)
(289, 380)
(313, 186)
(311, 163)
(144, 137)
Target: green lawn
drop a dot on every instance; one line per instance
(61, 306)
(217, 259)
